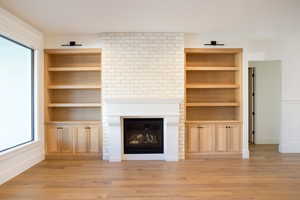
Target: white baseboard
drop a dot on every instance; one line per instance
(267, 140)
(143, 157)
(246, 154)
(289, 148)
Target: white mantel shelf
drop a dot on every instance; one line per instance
(150, 100)
(117, 109)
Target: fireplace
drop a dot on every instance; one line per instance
(133, 112)
(143, 135)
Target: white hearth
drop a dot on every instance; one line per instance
(116, 109)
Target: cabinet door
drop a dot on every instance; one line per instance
(94, 139)
(200, 139)
(235, 138)
(66, 139)
(82, 139)
(221, 138)
(206, 138)
(193, 139)
(87, 140)
(52, 142)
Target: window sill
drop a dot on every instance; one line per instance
(17, 150)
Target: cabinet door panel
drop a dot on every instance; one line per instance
(221, 138)
(193, 139)
(206, 139)
(82, 140)
(66, 140)
(201, 138)
(235, 138)
(94, 139)
(52, 139)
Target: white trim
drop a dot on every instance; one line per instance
(19, 167)
(245, 104)
(289, 147)
(143, 100)
(246, 154)
(291, 101)
(143, 157)
(19, 149)
(116, 112)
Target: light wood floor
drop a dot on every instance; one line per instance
(268, 175)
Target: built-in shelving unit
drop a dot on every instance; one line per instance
(212, 99)
(77, 76)
(212, 84)
(73, 101)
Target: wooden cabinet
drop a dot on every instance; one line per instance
(66, 139)
(73, 102)
(53, 143)
(213, 139)
(73, 140)
(235, 139)
(200, 138)
(87, 139)
(221, 138)
(213, 100)
(60, 139)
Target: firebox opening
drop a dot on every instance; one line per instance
(143, 136)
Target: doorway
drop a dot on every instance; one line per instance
(251, 85)
(264, 102)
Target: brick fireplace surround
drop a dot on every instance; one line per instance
(143, 75)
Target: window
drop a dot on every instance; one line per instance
(16, 94)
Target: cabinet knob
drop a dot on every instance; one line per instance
(59, 128)
(200, 127)
(88, 128)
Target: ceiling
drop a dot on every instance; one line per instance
(260, 17)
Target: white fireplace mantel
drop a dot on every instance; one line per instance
(116, 109)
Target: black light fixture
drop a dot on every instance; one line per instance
(213, 43)
(71, 44)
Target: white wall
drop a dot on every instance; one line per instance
(267, 101)
(290, 137)
(15, 161)
(286, 48)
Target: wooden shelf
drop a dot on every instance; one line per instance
(211, 68)
(73, 51)
(75, 122)
(216, 104)
(80, 105)
(73, 69)
(74, 87)
(213, 50)
(212, 86)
